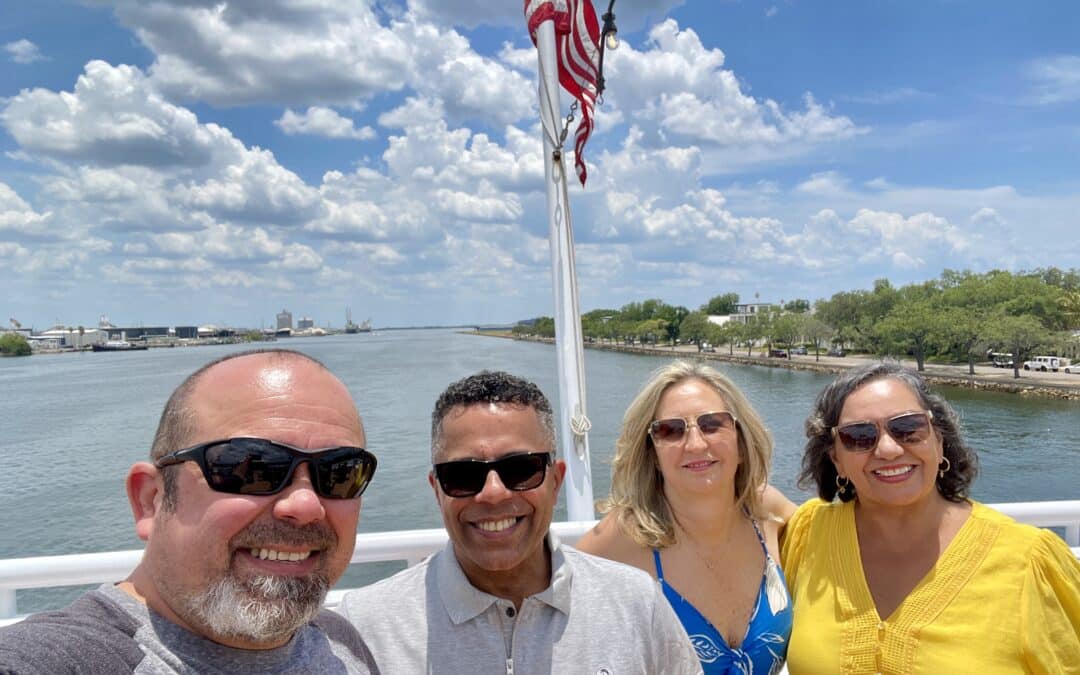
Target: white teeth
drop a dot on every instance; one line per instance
(496, 526)
(893, 472)
(271, 554)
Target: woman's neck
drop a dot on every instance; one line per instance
(705, 520)
(898, 527)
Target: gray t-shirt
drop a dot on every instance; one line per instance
(597, 616)
(108, 631)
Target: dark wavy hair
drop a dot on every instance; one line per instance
(489, 386)
(819, 471)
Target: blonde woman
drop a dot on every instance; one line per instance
(685, 506)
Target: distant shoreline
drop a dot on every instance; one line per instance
(1045, 385)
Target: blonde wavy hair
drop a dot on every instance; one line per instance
(637, 489)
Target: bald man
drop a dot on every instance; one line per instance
(248, 508)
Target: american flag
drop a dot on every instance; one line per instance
(577, 36)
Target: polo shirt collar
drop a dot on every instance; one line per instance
(464, 602)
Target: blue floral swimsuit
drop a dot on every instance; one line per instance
(765, 644)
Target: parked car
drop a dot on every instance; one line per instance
(1045, 363)
(1001, 360)
(836, 351)
(800, 350)
(778, 353)
(1072, 368)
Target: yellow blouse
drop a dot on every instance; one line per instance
(1002, 598)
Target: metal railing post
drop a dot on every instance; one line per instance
(8, 608)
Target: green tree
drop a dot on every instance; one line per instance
(721, 304)
(786, 328)
(752, 331)
(695, 327)
(1020, 335)
(1069, 304)
(965, 328)
(14, 344)
(817, 332)
(908, 327)
(798, 306)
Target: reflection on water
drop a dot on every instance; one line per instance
(74, 423)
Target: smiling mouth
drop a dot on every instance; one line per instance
(497, 525)
(279, 556)
(699, 464)
(894, 471)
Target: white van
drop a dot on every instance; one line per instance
(1045, 363)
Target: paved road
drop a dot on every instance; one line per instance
(983, 372)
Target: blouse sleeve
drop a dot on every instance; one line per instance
(794, 537)
(1050, 607)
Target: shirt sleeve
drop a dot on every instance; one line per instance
(674, 653)
(1050, 608)
(794, 537)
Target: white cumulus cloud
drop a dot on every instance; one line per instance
(23, 51)
(321, 121)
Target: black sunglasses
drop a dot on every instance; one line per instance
(518, 472)
(256, 466)
(674, 429)
(906, 429)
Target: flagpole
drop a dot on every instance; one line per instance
(568, 343)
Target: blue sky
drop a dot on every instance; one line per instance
(214, 162)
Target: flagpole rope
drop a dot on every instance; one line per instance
(579, 420)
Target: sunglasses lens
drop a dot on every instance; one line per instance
(668, 431)
(466, 478)
(913, 428)
(858, 437)
(521, 472)
(710, 423)
(462, 479)
(254, 466)
(343, 474)
(247, 466)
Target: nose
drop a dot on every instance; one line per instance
(695, 439)
(887, 447)
(298, 502)
(493, 491)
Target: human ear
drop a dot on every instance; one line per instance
(558, 469)
(145, 491)
(434, 487)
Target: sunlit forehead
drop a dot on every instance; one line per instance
(276, 379)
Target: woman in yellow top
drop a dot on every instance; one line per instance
(894, 569)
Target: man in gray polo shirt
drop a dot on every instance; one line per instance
(504, 595)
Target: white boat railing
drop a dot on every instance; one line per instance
(410, 546)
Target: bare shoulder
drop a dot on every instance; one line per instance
(776, 505)
(608, 540)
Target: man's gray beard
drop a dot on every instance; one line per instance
(260, 610)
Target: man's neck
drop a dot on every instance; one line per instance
(516, 584)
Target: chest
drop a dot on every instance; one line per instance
(724, 589)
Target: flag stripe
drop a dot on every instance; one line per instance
(577, 36)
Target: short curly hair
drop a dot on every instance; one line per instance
(818, 469)
(490, 386)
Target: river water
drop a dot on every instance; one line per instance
(73, 423)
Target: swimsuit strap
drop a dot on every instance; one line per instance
(761, 539)
(659, 567)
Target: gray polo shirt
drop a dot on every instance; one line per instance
(597, 617)
(108, 631)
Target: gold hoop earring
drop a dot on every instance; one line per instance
(842, 488)
(948, 465)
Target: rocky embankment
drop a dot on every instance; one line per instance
(1049, 385)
